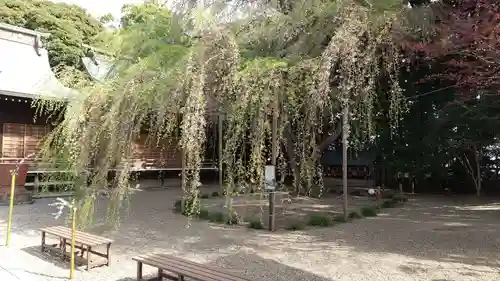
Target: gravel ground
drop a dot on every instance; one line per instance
(431, 238)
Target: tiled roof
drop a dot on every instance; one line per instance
(24, 66)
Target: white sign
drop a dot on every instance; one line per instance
(270, 177)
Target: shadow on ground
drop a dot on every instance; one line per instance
(263, 269)
(429, 229)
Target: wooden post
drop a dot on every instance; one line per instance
(412, 185)
(73, 234)
(11, 206)
(219, 148)
(274, 156)
(36, 184)
(401, 190)
(345, 133)
(183, 176)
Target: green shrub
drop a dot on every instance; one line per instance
(354, 215)
(295, 225)
(232, 218)
(320, 220)
(389, 203)
(216, 217)
(215, 194)
(399, 198)
(255, 224)
(204, 214)
(339, 218)
(369, 211)
(178, 206)
(205, 196)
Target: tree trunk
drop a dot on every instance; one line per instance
(290, 144)
(478, 156)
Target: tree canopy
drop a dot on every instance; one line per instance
(70, 27)
(305, 62)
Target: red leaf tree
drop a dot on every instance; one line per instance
(466, 47)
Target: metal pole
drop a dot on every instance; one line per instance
(11, 206)
(274, 155)
(345, 134)
(73, 232)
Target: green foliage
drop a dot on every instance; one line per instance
(171, 85)
(217, 217)
(369, 211)
(178, 205)
(295, 225)
(232, 218)
(320, 220)
(339, 218)
(204, 214)
(389, 203)
(399, 198)
(255, 224)
(70, 27)
(355, 215)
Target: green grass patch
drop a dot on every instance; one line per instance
(255, 224)
(389, 203)
(295, 225)
(320, 220)
(354, 215)
(369, 211)
(216, 217)
(204, 214)
(339, 218)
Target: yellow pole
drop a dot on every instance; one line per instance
(11, 207)
(73, 231)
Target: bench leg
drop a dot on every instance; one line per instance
(107, 254)
(83, 251)
(181, 278)
(88, 257)
(160, 273)
(63, 249)
(139, 271)
(43, 241)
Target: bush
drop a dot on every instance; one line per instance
(339, 218)
(389, 203)
(215, 194)
(255, 224)
(320, 220)
(295, 225)
(354, 215)
(178, 206)
(216, 217)
(399, 198)
(205, 196)
(232, 218)
(204, 214)
(369, 211)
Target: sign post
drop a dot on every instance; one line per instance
(270, 185)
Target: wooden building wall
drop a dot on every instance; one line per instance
(19, 132)
(20, 136)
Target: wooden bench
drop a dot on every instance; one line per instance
(84, 242)
(176, 269)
